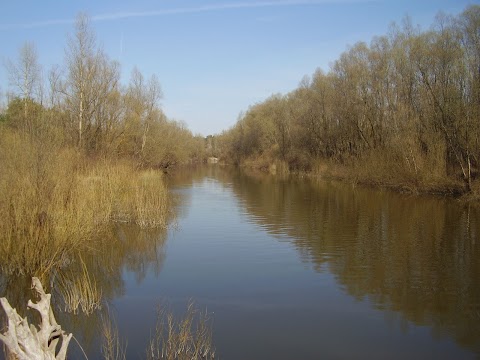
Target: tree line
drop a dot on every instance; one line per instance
(83, 104)
(404, 109)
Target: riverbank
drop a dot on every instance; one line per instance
(373, 175)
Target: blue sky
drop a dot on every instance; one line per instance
(213, 58)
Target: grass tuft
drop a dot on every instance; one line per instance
(180, 339)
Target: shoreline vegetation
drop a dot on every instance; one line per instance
(401, 112)
(350, 173)
(55, 202)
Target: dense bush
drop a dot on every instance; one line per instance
(403, 109)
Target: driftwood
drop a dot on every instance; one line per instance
(25, 341)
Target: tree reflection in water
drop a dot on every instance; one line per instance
(416, 258)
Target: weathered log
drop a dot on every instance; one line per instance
(25, 341)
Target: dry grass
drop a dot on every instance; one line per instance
(79, 291)
(112, 346)
(150, 206)
(187, 338)
(404, 167)
(130, 195)
(55, 203)
(329, 169)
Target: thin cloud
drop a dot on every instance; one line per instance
(180, 11)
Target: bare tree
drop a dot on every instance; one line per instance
(91, 77)
(25, 77)
(80, 56)
(2, 100)
(468, 31)
(142, 98)
(55, 86)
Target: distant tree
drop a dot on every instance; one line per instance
(81, 53)
(91, 77)
(25, 78)
(142, 111)
(467, 26)
(14, 115)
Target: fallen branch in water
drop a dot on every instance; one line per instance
(25, 341)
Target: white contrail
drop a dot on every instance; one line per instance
(186, 10)
(216, 7)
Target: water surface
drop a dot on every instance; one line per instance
(297, 268)
(304, 269)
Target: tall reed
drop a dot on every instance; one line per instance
(54, 203)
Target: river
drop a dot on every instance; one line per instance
(299, 268)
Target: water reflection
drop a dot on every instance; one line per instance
(82, 288)
(415, 258)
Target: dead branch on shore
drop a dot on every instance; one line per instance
(27, 342)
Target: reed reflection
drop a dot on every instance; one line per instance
(87, 281)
